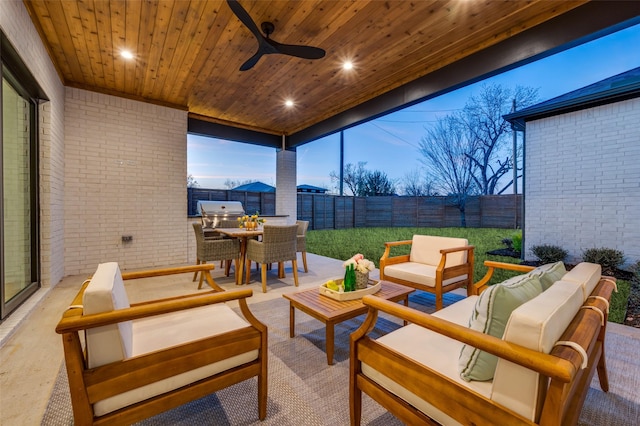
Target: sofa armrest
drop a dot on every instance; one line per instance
(205, 268)
(73, 320)
(481, 285)
(167, 271)
(387, 259)
(443, 273)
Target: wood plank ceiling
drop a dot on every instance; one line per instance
(187, 53)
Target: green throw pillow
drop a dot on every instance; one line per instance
(490, 315)
(549, 274)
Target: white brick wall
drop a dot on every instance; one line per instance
(582, 185)
(126, 168)
(286, 187)
(17, 26)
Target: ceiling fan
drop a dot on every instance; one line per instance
(266, 45)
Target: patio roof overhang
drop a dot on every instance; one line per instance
(188, 54)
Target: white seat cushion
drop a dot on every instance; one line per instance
(418, 273)
(164, 331)
(426, 249)
(537, 325)
(587, 275)
(434, 351)
(459, 312)
(106, 293)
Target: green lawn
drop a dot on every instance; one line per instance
(344, 243)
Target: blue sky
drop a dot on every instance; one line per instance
(390, 143)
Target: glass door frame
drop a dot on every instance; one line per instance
(7, 65)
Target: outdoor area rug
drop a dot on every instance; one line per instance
(303, 389)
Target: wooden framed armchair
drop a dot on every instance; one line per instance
(142, 359)
(435, 264)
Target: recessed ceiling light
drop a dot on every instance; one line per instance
(288, 103)
(347, 65)
(126, 54)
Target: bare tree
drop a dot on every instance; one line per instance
(415, 185)
(192, 182)
(353, 177)
(230, 184)
(445, 155)
(490, 135)
(362, 182)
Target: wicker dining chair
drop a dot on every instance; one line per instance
(302, 241)
(278, 245)
(215, 249)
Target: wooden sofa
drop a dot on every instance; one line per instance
(550, 349)
(142, 359)
(435, 264)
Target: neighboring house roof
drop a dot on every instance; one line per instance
(255, 187)
(613, 89)
(311, 188)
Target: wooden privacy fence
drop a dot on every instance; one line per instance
(338, 212)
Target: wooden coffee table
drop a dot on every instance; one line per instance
(331, 311)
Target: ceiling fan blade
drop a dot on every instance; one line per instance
(306, 52)
(249, 63)
(245, 18)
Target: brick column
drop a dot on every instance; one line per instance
(286, 191)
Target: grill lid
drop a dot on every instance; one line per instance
(220, 208)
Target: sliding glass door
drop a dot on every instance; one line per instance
(19, 242)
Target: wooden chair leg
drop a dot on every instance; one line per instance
(304, 261)
(295, 271)
(236, 262)
(603, 376)
(201, 278)
(227, 267)
(195, 274)
(438, 301)
(247, 268)
(281, 270)
(264, 277)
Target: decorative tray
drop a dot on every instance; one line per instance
(373, 287)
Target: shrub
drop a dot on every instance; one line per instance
(609, 259)
(516, 239)
(549, 254)
(508, 242)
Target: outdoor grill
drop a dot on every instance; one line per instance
(213, 212)
(219, 214)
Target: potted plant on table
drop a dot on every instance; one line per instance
(360, 268)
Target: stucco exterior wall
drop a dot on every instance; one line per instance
(582, 187)
(126, 174)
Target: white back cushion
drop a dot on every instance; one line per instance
(536, 324)
(426, 249)
(106, 293)
(587, 275)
